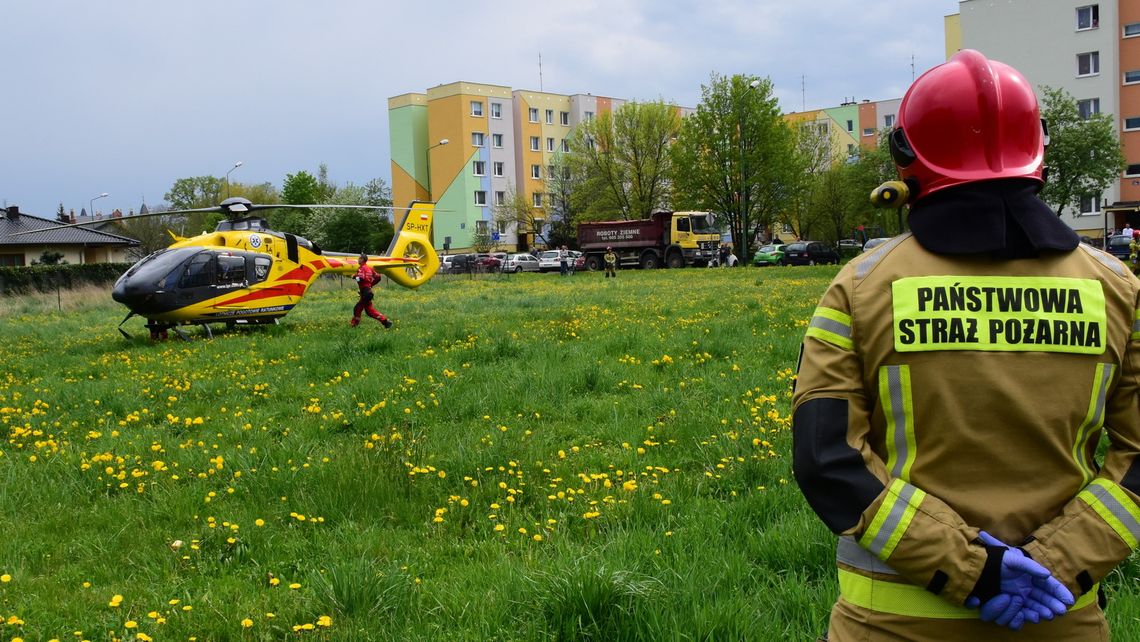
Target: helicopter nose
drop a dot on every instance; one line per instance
(131, 293)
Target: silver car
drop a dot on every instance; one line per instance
(520, 263)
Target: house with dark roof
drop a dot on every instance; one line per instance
(24, 238)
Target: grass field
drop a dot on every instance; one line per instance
(522, 457)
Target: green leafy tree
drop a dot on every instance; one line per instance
(565, 201)
(350, 229)
(481, 238)
(623, 162)
(517, 212)
(869, 169)
(1084, 156)
(150, 231)
(195, 192)
(301, 188)
(61, 215)
(736, 156)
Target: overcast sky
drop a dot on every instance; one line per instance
(126, 96)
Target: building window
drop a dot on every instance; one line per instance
(497, 140)
(476, 108)
(500, 198)
(503, 225)
(11, 260)
(537, 196)
(533, 114)
(589, 115)
(498, 167)
(1132, 124)
(1088, 107)
(477, 139)
(1088, 64)
(850, 148)
(549, 116)
(1132, 77)
(536, 172)
(1131, 30)
(534, 143)
(889, 120)
(1132, 170)
(565, 146)
(850, 126)
(478, 168)
(480, 197)
(1090, 205)
(1088, 17)
(481, 226)
(868, 131)
(564, 116)
(549, 144)
(496, 110)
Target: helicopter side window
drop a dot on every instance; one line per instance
(261, 265)
(199, 271)
(231, 270)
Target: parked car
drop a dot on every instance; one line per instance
(1118, 246)
(769, 255)
(445, 263)
(490, 262)
(849, 244)
(809, 253)
(872, 243)
(462, 264)
(520, 263)
(580, 262)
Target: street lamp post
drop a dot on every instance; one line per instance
(91, 203)
(442, 141)
(236, 165)
(741, 128)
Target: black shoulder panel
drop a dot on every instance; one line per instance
(831, 474)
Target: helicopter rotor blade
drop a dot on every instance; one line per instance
(330, 207)
(124, 218)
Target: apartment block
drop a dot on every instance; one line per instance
(1091, 50)
(497, 139)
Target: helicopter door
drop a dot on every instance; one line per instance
(231, 272)
(200, 272)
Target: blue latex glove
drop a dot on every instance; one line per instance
(1029, 593)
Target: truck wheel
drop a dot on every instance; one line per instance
(675, 260)
(593, 263)
(650, 261)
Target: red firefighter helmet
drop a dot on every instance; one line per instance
(970, 119)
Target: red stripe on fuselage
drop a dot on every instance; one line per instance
(302, 273)
(285, 289)
(318, 265)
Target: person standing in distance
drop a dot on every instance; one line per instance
(365, 278)
(611, 262)
(955, 382)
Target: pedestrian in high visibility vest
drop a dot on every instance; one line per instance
(365, 278)
(611, 262)
(954, 385)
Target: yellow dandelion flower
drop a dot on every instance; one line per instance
(246, 623)
(324, 620)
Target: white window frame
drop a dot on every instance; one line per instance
(534, 144)
(564, 118)
(549, 144)
(850, 126)
(1136, 173)
(482, 226)
(477, 108)
(1094, 104)
(565, 145)
(868, 131)
(1094, 17)
(532, 114)
(496, 110)
(1133, 27)
(478, 139)
(497, 168)
(549, 116)
(500, 197)
(536, 172)
(503, 224)
(536, 199)
(478, 168)
(480, 198)
(1094, 69)
(1094, 201)
(589, 116)
(497, 141)
(889, 120)
(1135, 126)
(1135, 73)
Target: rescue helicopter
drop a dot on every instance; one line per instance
(245, 273)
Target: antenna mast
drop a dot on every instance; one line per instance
(912, 67)
(540, 71)
(803, 95)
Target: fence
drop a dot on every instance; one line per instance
(50, 278)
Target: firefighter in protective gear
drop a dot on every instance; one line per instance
(957, 380)
(365, 278)
(611, 262)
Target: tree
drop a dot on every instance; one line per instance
(565, 200)
(194, 192)
(301, 188)
(870, 169)
(481, 237)
(1084, 156)
(516, 211)
(623, 161)
(352, 230)
(150, 231)
(736, 156)
(61, 215)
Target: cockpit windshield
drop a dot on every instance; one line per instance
(160, 263)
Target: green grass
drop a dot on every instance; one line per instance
(523, 457)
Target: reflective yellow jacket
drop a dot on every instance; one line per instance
(939, 395)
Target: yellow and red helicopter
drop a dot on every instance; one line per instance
(245, 273)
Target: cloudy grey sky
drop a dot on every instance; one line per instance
(126, 96)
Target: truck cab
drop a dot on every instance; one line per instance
(695, 234)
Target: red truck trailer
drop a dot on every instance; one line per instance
(672, 239)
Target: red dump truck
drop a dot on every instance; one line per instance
(672, 239)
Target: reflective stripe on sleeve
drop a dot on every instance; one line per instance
(832, 326)
(914, 601)
(1136, 327)
(1094, 418)
(848, 551)
(1114, 507)
(892, 519)
(898, 406)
